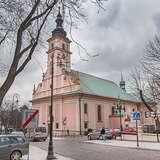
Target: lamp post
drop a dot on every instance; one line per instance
(13, 100)
(119, 107)
(16, 95)
(50, 155)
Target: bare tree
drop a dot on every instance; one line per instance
(21, 26)
(146, 79)
(10, 115)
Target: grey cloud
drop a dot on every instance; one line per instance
(118, 34)
(156, 19)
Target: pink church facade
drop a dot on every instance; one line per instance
(81, 101)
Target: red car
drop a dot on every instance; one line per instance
(116, 132)
(129, 131)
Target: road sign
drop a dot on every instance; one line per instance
(30, 118)
(136, 116)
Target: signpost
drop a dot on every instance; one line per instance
(137, 117)
(30, 118)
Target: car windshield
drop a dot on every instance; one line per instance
(96, 130)
(4, 141)
(40, 129)
(18, 133)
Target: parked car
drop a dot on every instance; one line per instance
(13, 147)
(18, 133)
(116, 132)
(130, 131)
(96, 134)
(37, 134)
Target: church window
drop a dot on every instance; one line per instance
(99, 110)
(85, 108)
(118, 111)
(85, 125)
(57, 125)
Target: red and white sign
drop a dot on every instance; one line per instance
(30, 118)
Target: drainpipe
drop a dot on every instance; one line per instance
(80, 115)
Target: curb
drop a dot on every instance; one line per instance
(137, 148)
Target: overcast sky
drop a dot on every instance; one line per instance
(118, 34)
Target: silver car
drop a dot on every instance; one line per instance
(12, 147)
(96, 134)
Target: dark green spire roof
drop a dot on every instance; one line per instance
(59, 26)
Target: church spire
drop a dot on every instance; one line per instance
(59, 25)
(122, 83)
(59, 19)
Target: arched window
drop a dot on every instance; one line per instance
(99, 110)
(85, 108)
(85, 125)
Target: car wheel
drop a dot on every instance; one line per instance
(100, 138)
(15, 155)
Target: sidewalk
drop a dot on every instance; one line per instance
(128, 144)
(36, 153)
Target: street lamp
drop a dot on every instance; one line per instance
(16, 95)
(14, 100)
(50, 155)
(119, 108)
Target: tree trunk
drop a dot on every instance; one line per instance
(5, 87)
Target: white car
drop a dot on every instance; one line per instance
(18, 133)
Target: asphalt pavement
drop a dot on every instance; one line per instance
(77, 149)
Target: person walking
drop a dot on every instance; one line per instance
(103, 133)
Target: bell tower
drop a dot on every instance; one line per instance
(59, 48)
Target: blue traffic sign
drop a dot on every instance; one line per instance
(136, 116)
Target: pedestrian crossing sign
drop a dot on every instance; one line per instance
(136, 116)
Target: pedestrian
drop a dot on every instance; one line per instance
(103, 133)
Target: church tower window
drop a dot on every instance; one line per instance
(99, 110)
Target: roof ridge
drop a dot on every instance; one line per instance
(97, 77)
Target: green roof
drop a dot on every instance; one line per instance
(90, 84)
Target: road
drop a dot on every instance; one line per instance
(77, 149)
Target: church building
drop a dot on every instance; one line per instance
(81, 101)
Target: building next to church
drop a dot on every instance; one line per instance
(81, 101)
